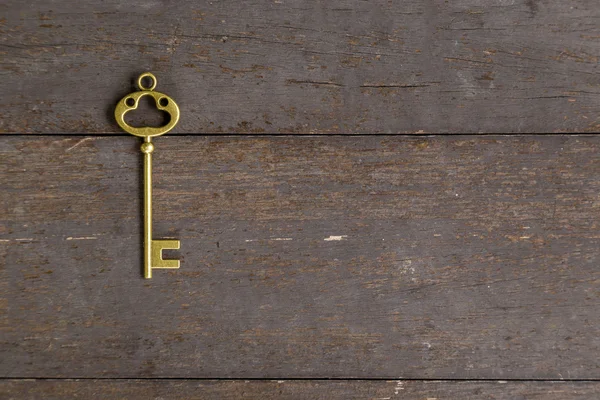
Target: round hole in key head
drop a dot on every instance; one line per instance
(147, 81)
(163, 102)
(130, 101)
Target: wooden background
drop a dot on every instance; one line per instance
(356, 220)
(281, 66)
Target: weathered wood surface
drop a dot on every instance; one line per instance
(306, 66)
(282, 390)
(371, 256)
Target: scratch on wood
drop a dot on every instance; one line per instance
(326, 83)
(79, 143)
(332, 238)
(274, 239)
(82, 238)
(399, 387)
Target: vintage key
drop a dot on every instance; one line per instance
(152, 248)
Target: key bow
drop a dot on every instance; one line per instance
(131, 101)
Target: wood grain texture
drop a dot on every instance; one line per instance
(371, 256)
(282, 390)
(306, 66)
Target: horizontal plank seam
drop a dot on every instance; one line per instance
(301, 135)
(483, 380)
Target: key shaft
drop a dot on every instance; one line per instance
(153, 248)
(147, 148)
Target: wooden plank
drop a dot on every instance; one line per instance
(372, 256)
(228, 389)
(306, 66)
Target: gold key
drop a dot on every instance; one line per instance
(152, 248)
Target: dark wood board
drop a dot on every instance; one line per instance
(281, 390)
(334, 256)
(311, 67)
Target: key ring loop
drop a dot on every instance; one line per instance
(147, 75)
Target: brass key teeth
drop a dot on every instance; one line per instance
(158, 262)
(153, 257)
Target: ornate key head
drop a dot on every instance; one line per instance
(163, 103)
